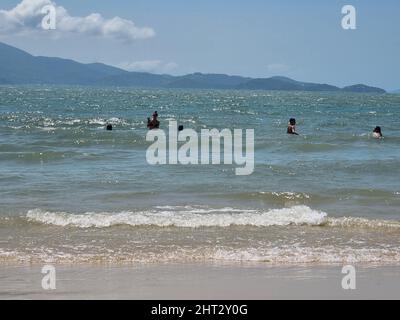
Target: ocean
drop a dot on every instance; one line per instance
(72, 192)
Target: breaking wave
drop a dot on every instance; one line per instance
(189, 217)
(195, 217)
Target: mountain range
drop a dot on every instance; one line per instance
(19, 67)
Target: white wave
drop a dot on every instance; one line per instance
(301, 255)
(195, 217)
(288, 195)
(71, 122)
(283, 255)
(362, 223)
(97, 121)
(114, 121)
(190, 217)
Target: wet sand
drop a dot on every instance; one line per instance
(199, 281)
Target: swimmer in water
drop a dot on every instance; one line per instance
(292, 127)
(377, 133)
(109, 127)
(153, 124)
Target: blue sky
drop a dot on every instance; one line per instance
(259, 38)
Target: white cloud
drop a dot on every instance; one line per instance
(149, 66)
(27, 16)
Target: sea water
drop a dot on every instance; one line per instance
(71, 191)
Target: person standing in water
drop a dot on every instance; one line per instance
(292, 127)
(377, 133)
(154, 123)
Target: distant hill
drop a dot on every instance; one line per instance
(283, 83)
(136, 79)
(207, 81)
(363, 89)
(20, 67)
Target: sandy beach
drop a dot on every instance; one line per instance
(200, 281)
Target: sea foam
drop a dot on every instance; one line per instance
(195, 217)
(190, 217)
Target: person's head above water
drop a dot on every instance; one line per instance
(377, 133)
(378, 130)
(292, 126)
(109, 127)
(154, 123)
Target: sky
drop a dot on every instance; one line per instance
(303, 40)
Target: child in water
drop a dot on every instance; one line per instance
(292, 127)
(377, 133)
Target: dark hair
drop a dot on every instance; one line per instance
(292, 121)
(180, 128)
(378, 129)
(109, 127)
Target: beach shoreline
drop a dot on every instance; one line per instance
(189, 281)
(73, 193)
